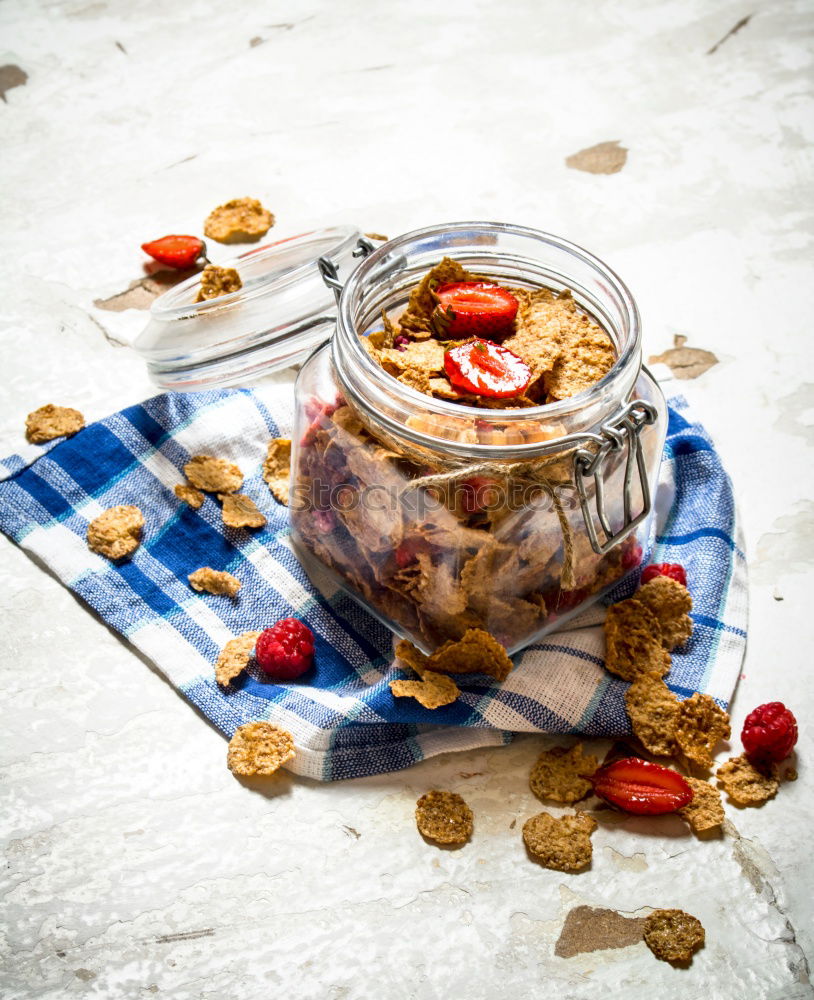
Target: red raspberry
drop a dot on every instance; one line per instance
(673, 570)
(285, 650)
(631, 555)
(769, 733)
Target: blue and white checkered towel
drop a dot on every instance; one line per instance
(344, 719)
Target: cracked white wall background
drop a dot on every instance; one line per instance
(135, 865)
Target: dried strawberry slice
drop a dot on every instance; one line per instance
(486, 369)
(641, 787)
(475, 309)
(176, 251)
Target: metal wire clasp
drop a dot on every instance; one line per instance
(328, 270)
(622, 431)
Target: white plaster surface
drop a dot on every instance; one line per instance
(134, 864)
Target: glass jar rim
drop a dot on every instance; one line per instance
(346, 339)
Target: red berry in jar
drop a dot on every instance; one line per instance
(674, 570)
(476, 309)
(486, 369)
(285, 650)
(631, 555)
(769, 733)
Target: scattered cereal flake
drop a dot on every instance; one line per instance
(214, 582)
(189, 495)
(653, 711)
(444, 817)
(277, 468)
(234, 657)
(790, 774)
(432, 691)
(700, 727)
(116, 533)
(49, 422)
(259, 748)
(416, 320)
(217, 281)
(673, 935)
(633, 638)
(240, 511)
(242, 220)
(744, 784)
(563, 844)
(557, 775)
(476, 652)
(412, 656)
(213, 475)
(670, 602)
(705, 811)
(377, 236)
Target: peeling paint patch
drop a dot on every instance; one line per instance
(796, 413)
(630, 863)
(604, 158)
(732, 31)
(788, 547)
(685, 362)
(140, 293)
(11, 76)
(589, 928)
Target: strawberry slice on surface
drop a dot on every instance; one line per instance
(641, 787)
(484, 368)
(475, 309)
(176, 251)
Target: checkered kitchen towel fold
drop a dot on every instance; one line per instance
(344, 720)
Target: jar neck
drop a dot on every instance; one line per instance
(510, 255)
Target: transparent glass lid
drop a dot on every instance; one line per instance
(283, 310)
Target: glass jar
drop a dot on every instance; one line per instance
(439, 517)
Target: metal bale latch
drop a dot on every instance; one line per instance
(622, 431)
(328, 270)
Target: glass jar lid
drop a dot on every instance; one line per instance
(283, 310)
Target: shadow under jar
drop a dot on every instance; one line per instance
(439, 517)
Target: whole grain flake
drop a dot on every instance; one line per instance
(745, 784)
(50, 422)
(432, 691)
(476, 652)
(241, 220)
(214, 581)
(563, 844)
(240, 511)
(213, 475)
(277, 468)
(705, 811)
(670, 602)
(234, 657)
(560, 774)
(218, 281)
(259, 748)
(700, 727)
(189, 495)
(633, 641)
(116, 533)
(444, 817)
(673, 935)
(653, 711)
